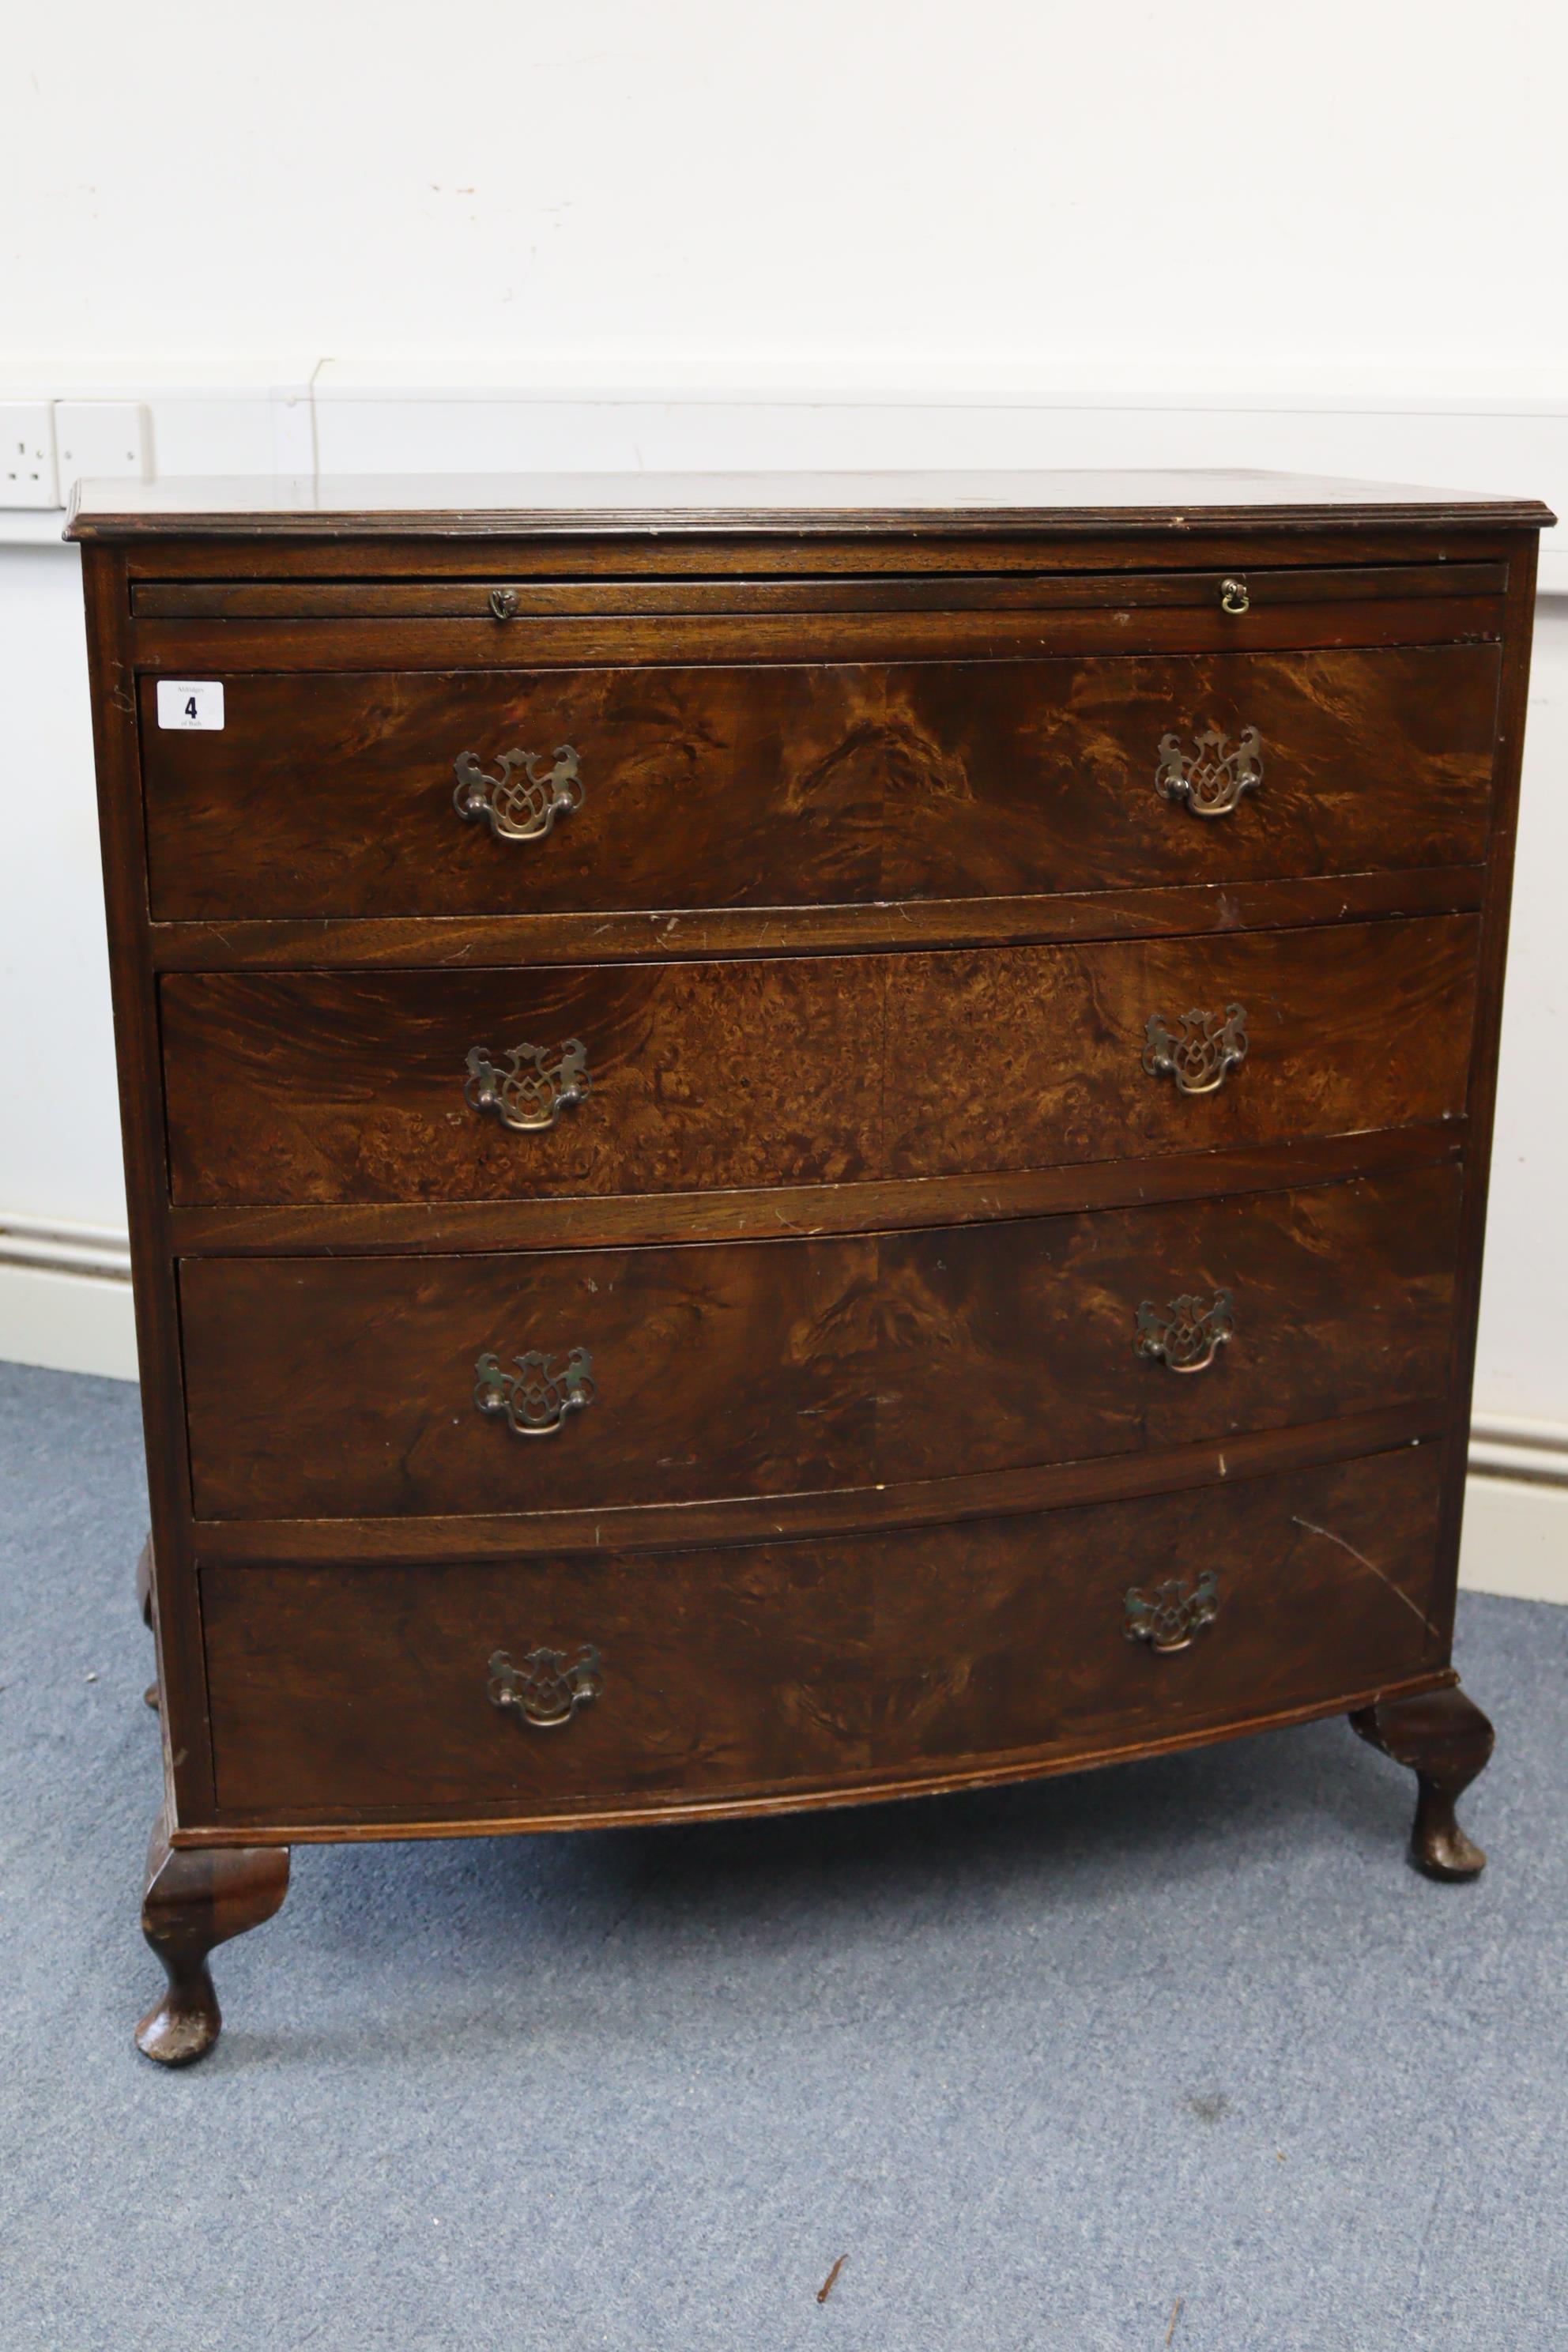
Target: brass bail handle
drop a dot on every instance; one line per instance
(1171, 1615)
(523, 797)
(528, 1088)
(1199, 1054)
(538, 1392)
(1209, 778)
(547, 1689)
(1189, 1335)
(1233, 596)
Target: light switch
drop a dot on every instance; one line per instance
(102, 440)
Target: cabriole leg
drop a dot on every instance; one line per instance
(1445, 1739)
(195, 1899)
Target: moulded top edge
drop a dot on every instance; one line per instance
(820, 504)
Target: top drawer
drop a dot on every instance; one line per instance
(600, 790)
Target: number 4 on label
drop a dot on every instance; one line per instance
(190, 703)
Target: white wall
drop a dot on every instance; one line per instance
(60, 1144)
(1326, 233)
(1523, 1370)
(663, 190)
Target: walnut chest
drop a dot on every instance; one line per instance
(793, 1140)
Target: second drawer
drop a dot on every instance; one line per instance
(540, 1381)
(658, 1078)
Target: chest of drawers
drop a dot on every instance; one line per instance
(793, 1141)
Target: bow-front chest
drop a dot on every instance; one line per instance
(794, 1140)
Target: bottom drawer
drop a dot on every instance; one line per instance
(371, 1694)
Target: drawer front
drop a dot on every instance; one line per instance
(332, 794)
(373, 1692)
(1112, 773)
(367, 1690)
(435, 1085)
(1018, 1057)
(339, 1388)
(1052, 1633)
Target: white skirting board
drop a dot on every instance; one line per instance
(1516, 1526)
(68, 1322)
(1515, 1537)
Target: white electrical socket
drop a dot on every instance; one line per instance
(102, 440)
(27, 471)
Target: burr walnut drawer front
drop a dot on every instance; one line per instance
(386, 793)
(641, 1078)
(603, 1683)
(323, 1388)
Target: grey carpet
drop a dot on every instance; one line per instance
(1040, 2063)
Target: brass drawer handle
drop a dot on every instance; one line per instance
(1208, 1046)
(1233, 596)
(532, 1087)
(503, 603)
(1210, 779)
(535, 1398)
(518, 807)
(1172, 1616)
(1189, 1335)
(544, 1690)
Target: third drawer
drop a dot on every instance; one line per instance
(542, 1382)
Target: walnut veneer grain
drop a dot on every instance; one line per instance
(733, 786)
(331, 1387)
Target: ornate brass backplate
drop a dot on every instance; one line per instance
(1189, 1335)
(1173, 1614)
(545, 1690)
(1210, 779)
(518, 807)
(1207, 1047)
(536, 1396)
(532, 1086)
